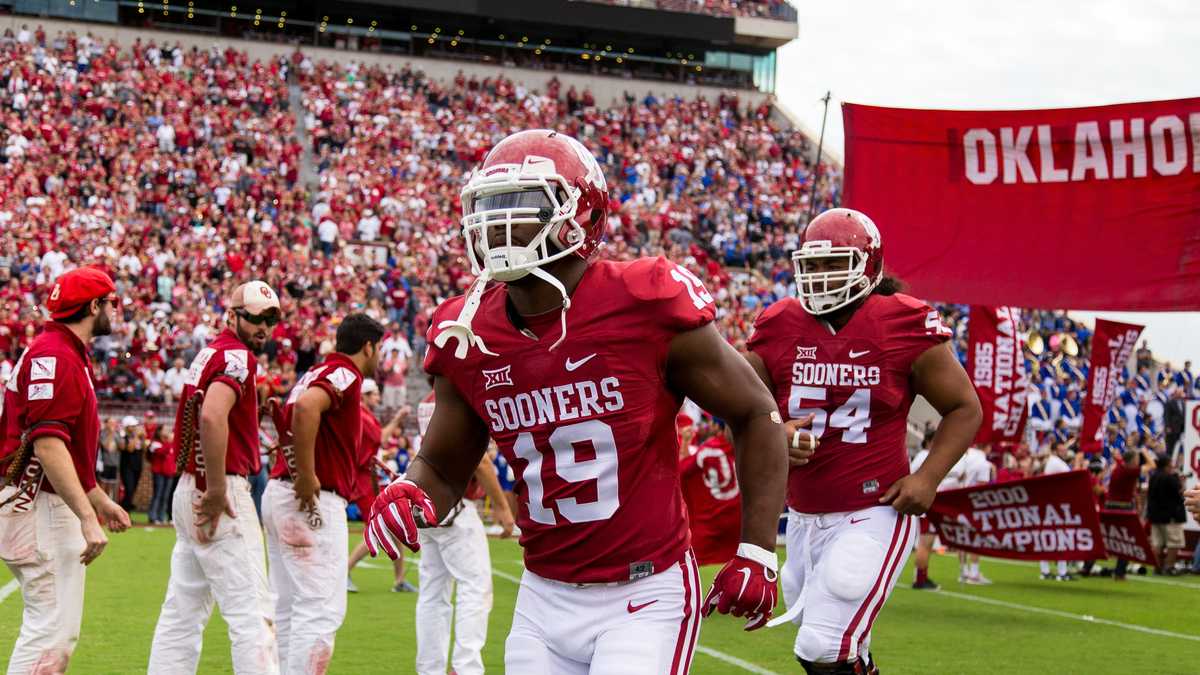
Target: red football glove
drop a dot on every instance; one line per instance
(745, 586)
(393, 520)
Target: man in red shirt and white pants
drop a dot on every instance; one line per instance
(304, 506)
(218, 551)
(51, 435)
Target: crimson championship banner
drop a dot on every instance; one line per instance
(1125, 537)
(991, 207)
(1043, 518)
(1112, 345)
(997, 369)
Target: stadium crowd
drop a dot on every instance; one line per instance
(766, 9)
(182, 171)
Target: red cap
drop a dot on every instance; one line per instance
(75, 288)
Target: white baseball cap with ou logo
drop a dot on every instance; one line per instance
(257, 298)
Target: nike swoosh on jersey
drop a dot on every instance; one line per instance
(633, 608)
(572, 365)
(855, 355)
(855, 522)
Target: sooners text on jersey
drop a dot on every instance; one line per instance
(856, 384)
(588, 428)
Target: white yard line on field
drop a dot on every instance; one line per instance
(707, 651)
(734, 661)
(1066, 615)
(8, 589)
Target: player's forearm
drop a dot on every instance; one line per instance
(60, 471)
(761, 455)
(214, 443)
(444, 493)
(950, 441)
(304, 438)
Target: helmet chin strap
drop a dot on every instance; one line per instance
(566, 303)
(460, 328)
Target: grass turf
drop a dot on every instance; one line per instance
(968, 629)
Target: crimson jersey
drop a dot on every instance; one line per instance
(714, 503)
(337, 450)
(50, 393)
(588, 428)
(226, 359)
(857, 384)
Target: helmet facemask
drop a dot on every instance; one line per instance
(497, 200)
(509, 196)
(828, 290)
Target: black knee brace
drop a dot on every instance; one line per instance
(855, 667)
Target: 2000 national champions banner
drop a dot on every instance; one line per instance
(975, 202)
(1043, 518)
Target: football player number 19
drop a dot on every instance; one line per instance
(602, 469)
(854, 415)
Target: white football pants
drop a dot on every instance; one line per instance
(230, 569)
(41, 545)
(308, 576)
(456, 554)
(643, 627)
(841, 568)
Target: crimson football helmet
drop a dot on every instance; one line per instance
(534, 177)
(840, 260)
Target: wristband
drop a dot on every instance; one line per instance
(758, 554)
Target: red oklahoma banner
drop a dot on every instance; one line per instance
(1044, 518)
(1125, 537)
(997, 369)
(1112, 344)
(1086, 208)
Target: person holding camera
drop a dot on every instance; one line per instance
(1165, 511)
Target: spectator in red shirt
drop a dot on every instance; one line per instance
(162, 466)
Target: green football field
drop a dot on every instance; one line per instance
(1018, 625)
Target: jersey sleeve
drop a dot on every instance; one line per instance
(234, 367)
(679, 300)
(339, 383)
(915, 327)
(439, 361)
(54, 396)
(764, 323)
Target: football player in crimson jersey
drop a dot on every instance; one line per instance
(576, 369)
(845, 360)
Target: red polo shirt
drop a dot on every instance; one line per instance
(51, 393)
(337, 444)
(226, 359)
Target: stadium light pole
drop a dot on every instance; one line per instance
(812, 195)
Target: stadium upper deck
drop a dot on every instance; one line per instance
(719, 43)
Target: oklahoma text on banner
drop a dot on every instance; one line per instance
(997, 369)
(1125, 537)
(1043, 518)
(969, 199)
(1112, 345)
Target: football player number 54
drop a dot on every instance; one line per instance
(854, 415)
(602, 469)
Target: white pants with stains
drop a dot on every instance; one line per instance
(457, 554)
(308, 576)
(230, 569)
(41, 543)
